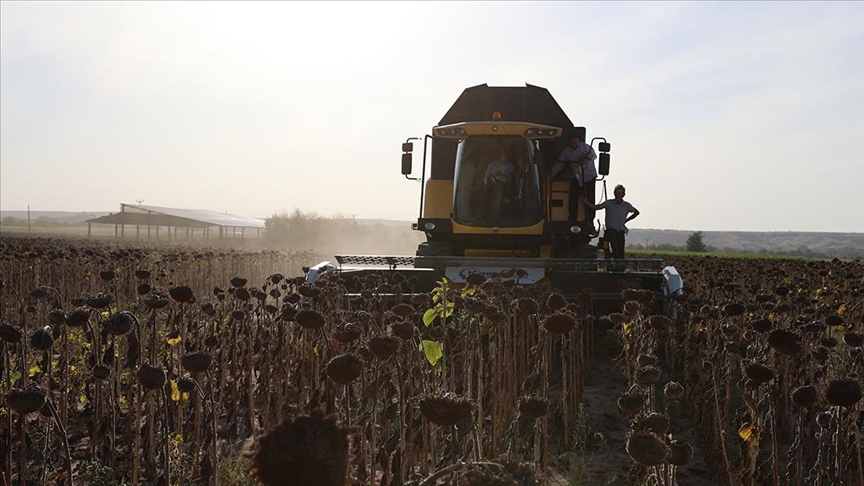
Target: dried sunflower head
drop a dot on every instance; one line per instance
(182, 294)
(759, 373)
(308, 450)
(197, 362)
(631, 403)
(383, 347)
(533, 407)
(805, 395)
(646, 448)
(345, 368)
(785, 341)
(121, 323)
(403, 329)
(653, 422)
(42, 339)
(446, 410)
(151, 377)
(680, 453)
(734, 309)
(57, 316)
(647, 375)
(10, 333)
(843, 392)
(673, 391)
(25, 401)
(560, 323)
(527, 306)
(309, 319)
(348, 332)
(556, 302)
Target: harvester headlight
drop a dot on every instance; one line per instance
(430, 226)
(575, 229)
(540, 132)
(451, 132)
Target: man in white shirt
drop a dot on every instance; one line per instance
(618, 213)
(500, 171)
(576, 164)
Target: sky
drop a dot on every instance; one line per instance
(726, 116)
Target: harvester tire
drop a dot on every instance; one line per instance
(434, 249)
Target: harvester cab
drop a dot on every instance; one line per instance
(489, 202)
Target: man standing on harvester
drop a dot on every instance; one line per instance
(576, 164)
(618, 213)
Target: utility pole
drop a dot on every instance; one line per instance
(28, 218)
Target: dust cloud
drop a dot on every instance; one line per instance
(340, 235)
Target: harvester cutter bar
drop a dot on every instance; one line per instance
(606, 278)
(550, 264)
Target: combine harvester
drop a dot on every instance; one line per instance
(514, 226)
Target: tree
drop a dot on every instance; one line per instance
(695, 242)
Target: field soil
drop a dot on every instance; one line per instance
(604, 460)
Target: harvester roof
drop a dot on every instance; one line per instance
(527, 104)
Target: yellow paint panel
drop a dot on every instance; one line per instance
(438, 200)
(536, 229)
(560, 191)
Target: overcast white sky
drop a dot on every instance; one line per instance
(722, 116)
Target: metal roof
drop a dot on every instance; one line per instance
(161, 216)
(516, 103)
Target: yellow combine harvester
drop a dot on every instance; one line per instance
(480, 217)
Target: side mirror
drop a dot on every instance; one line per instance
(604, 147)
(406, 162)
(604, 164)
(407, 147)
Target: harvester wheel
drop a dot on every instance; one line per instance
(434, 248)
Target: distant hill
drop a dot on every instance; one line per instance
(843, 244)
(64, 217)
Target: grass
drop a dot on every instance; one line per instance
(573, 461)
(235, 472)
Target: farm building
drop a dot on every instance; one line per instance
(171, 220)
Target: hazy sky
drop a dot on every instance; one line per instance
(721, 116)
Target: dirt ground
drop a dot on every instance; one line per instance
(604, 460)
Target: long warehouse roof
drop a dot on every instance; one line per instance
(161, 216)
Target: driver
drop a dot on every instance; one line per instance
(500, 171)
